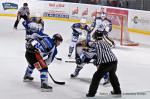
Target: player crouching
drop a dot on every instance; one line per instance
(40, 52)
(84, 54)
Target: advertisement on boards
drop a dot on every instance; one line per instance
(139, 20)
(8, 6)
(56, 10)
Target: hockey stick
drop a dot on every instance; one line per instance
(58, 58)
(73, 62)
(70, 61)
(56, 82)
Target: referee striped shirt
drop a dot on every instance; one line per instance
(104, 52)
(24, 10)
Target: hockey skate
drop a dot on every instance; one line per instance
(28, 79)
(90, 95)
(116, 94)
(69, 55)
(106, 82)
(45, 87)
(76, 72)
(15, 28)
(74, 75)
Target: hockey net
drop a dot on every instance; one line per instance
(120, 32)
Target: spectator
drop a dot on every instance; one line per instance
(124, 3)
(103, 2)
(75, 1)
(113, 3)
(92, 2)
(84, 1)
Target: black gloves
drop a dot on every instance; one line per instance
(95, 62)
(78, 61)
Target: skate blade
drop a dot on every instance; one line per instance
(46, 90)
(27, 80)
(107, 85)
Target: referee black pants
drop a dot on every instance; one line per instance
(110, 67)
(25, 17)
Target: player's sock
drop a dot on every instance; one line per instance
(76, 72)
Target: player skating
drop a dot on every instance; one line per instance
(81, 31)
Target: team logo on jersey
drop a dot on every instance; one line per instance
(9, 5)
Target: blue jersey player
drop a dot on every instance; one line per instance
(81, 31)
(33, 25)
(85, 52)
(40, 52)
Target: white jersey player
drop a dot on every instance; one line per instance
(103, 25)
(81, 31)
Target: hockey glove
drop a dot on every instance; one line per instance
(78, 61)
(95, 62)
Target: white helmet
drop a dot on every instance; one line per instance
(101, 10)
(83, 21)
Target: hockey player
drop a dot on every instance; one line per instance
(40, 52)
(81, 31)
(103, 25)
(84, 54)
(34, 25)
(22, 13)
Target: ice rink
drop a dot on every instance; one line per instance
(133, 68)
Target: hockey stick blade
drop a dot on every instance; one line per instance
(70, 61)
(58, 58)
(56, 82)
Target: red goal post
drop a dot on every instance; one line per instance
(119, 18)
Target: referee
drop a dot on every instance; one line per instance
(107, 62)
(22, 13)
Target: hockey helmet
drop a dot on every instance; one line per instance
(98, 35)
(101, 10)
(57, 37)
(83, 20)
(25, 4)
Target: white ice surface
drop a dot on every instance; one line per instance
(133, 68)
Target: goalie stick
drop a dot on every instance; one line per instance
(56, 82)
